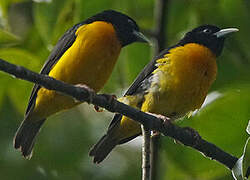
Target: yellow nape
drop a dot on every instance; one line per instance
(90, 60)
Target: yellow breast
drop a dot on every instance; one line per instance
(181, 81)
(179, 85)
(90, 60)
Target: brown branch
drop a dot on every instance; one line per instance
(146, 153)
(186, 136)
(155, 145)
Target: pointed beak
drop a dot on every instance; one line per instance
(225, 32)
(141, 38)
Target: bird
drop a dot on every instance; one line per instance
(84, 55)
(174, 84)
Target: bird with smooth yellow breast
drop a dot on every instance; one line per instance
(85, 54)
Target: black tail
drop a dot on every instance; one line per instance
(107, 143)
(104, 146)
(24, 139)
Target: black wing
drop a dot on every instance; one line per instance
(64, 43)
(145, 73)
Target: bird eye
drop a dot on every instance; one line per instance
(207, 31)
(130, 22)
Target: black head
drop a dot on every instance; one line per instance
(126, 28)
(208, 35)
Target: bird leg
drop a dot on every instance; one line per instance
(164, 118)
(98, 109)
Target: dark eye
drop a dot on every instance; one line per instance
(130, 22)
(207, 31)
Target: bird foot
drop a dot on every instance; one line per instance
(110, 99)
(98, 109)
(155, 134)
(164, 118)
(90, 91)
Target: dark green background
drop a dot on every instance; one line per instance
(28, 31)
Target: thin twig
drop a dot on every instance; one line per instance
(145, 153)
(160, 19)
(154, 158)
(160, 26)
(186, 136)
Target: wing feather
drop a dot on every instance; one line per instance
(137, 86)
(64, 43)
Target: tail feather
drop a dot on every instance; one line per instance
(103, 147)
(24, 139)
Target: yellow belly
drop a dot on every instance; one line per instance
(90, 60)
(180, 85)
(184, 79)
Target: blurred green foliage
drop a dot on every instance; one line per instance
(28, 31)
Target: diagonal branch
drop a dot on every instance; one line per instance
(186, 136)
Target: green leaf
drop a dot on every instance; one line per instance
(248, 127)
(17, 90)
(7, 38)
(21, 57)
(84, 9)
(65, 20)
(220, 122)
(1, 95)
(237, 170)
(240, 169)
(4, 5)
(246, 158)
(46, 17)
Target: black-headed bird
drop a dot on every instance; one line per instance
(173, 84)
(85, 54)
